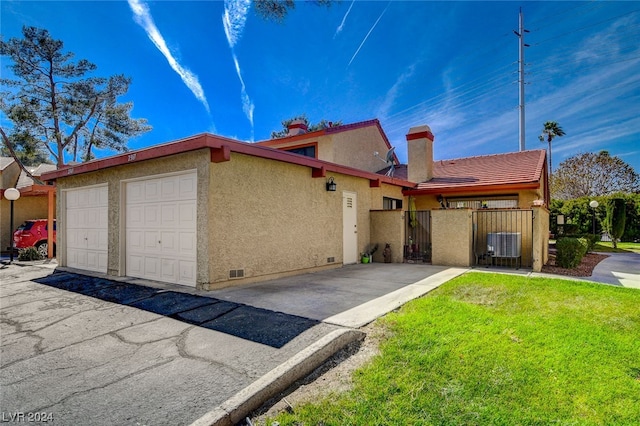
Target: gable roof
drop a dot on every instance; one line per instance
(5, 162)
(36, 171)
(330, 131)
(514, 170)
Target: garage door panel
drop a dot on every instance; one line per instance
(170, 188)
(134, 193)
(152, 216)
(188, 214)
(169, 242)
(151, 241)
(169, 270)
(86, 220)
(169, 216)
(187, 270)
(187, 243)
(135, 216)
(152, 267)
(135, 265)
(188, 187)
(151, 191)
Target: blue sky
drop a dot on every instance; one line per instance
(215, 66)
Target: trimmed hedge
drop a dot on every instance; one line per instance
(570, 251)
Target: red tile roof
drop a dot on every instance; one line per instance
(515, 169)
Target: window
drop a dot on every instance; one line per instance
(308, 151)
(391, 203)
(505, 202)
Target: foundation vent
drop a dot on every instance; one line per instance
(236, 273)
(331, 259)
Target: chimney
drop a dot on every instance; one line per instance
(420, 152)
(297, 127)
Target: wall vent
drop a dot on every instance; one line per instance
(236, 273)
(331, 259)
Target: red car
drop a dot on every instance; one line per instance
(33, 233)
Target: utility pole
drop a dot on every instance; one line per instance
(520, 34)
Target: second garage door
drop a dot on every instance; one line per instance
(161, 214)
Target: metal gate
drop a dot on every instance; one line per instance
(503, 238)
(417, 247)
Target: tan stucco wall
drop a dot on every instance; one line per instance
(355, 148)
(114, 178)
(387, 226)
(24, 208)
(272, 218)
(451, 237)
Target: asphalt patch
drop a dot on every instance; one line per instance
(170, 303)
(125, 294)
(270, 328)
(75, 283)
(259, 325)
(206, 313)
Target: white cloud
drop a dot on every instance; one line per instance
(247, 104)
(234, 19)
(143, 18)
(344, 19)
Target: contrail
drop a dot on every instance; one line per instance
(143, 18)
(367, 36)
(233, 20)
(344, 19)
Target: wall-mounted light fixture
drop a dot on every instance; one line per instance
(331, 185)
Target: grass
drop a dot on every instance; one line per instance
(499, 349)
(607, 247)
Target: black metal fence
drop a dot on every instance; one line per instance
(417, 247)
(503, 238)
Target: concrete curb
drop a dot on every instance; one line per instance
(253, 396)
(368, 312)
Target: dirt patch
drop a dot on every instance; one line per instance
(334, 376)
(585, 269)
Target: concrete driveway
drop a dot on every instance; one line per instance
(91, 350)
(621, 269)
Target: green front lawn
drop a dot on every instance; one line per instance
(622, 247)
(487, 349)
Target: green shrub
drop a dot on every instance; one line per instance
(28, 254)
(590, 240)
(570, 251)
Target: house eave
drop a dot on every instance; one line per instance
(470, 189)
(221, 150)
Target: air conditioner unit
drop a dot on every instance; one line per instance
(504, 244)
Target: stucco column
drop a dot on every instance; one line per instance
(420, 152)
(452, 237)
(540, 237)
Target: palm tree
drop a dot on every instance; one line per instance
(551, 130)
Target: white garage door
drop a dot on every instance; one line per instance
(86, 223)
(161, 228)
